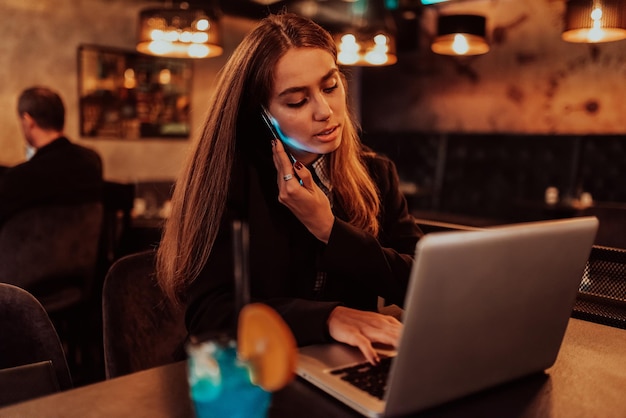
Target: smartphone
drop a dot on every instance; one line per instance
(269, 121)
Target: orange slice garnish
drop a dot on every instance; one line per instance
(265, 341)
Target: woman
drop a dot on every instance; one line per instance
(320, 258)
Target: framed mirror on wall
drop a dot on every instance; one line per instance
(128, 96)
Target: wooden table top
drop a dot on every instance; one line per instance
(588, 379)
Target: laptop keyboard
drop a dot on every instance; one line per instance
(367, 377)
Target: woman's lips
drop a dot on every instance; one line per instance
(327, 134)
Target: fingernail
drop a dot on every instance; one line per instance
(298, 165)
(273, 143)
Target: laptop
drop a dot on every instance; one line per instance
(482, 308)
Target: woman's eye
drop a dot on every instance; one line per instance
(297, 104)
(331, 88)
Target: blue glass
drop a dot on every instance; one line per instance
(220, 384)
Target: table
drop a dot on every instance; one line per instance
(588, 379)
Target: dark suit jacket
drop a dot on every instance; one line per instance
(59, 173)
(285, 259)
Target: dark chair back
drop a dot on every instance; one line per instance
(141, 329)
(52, 251)
(602, 293)
(29, 349)
(118, 201)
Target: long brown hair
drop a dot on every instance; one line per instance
(245, 83)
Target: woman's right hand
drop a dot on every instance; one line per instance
(362, 328)
(306, 201)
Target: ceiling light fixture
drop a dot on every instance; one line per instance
(179, 32)
(369, 40)
(593, 21)
(461, 35)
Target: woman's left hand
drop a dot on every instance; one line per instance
(304, 198)
(362, 328)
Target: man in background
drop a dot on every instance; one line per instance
(59, 172)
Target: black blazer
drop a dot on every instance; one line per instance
(285, 259)
(59, 173)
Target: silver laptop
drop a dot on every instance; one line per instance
(483, 307)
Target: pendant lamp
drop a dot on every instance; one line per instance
(461, 34)
(180, 32)
(593, 21)
(370, 38)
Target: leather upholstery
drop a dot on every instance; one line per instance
(141, 330)
(28, 337)
(488, 179)
(52, 252)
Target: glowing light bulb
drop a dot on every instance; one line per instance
(348, 50)
(460, 45)
(171, 35)
(165, 76)
(129, 79)
(186, 36)
(199, 37)
(376, 57)
(202, 24)
(380, 39)
(596, 14)
(160, 47)
(198, 51)
(157, 35)
(595, 34)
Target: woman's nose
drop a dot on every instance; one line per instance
(322, 110)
